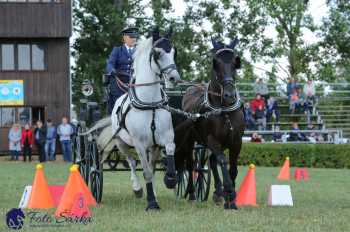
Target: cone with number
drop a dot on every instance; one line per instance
(80, 208)
(284, 173)
(40, 197)
(247, 191)
(73, 187)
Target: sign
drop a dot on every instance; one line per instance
(11, 93)
(280, 195)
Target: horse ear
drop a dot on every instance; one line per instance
(170, 33)
(233, 43)
(215, 43)
(237, 62)
(155, 34)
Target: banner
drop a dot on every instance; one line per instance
(11, 92)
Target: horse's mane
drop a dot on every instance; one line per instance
(143, 48)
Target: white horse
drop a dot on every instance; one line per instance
(146, 126)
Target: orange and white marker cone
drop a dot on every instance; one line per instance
(74, 186)
(284, 173)
(247, 191)
(40, 197)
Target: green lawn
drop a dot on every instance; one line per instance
(321, 204)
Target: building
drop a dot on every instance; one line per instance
(34, 62)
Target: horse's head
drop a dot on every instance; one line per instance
(225, 64)
(163, 56)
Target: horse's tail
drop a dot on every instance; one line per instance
(98, 125)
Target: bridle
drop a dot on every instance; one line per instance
(164, 71)
(227, 80)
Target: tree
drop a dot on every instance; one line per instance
(334, 58)
(97, 24)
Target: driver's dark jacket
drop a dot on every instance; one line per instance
(119, 61)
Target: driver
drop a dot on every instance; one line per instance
(119, 65)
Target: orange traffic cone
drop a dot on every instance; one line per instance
(284, 172)
(80, 209)
(247, 191)
(40, 197)
(74, 186)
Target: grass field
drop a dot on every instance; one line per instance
(321, 204)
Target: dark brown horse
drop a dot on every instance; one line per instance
(217, 132)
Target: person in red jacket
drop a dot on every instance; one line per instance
(27, 143)
(256, 102)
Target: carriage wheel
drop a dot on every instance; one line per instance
(81, 155)
(201, 174)
(113, 159)
(96, 172)
(182, 184)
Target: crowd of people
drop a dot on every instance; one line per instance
(301, 99)
(44, 136)
(262, 109)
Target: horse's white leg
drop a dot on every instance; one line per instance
(123, 148)
(136, 186)
(170, 174)
(148, 175)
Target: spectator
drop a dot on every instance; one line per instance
(27, 143)
(277, 135)
(291, 86)
(50, 144)
(255, 103)
(261, 88)
(40, 139)
(316, 137)
(294, 101)
(248, 117)
(15, 141)
(309, 90)
(256, 138)
(296, 135)
(260, 117)
(272, 110)
(65, 130)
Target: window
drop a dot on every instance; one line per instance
(22, 115)
(38, 61)
(7, 116)
(7, 57)
(23, 57)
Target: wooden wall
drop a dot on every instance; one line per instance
(49, 88)
(35, 20)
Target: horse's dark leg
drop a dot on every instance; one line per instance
(229, 194)
(234, 153)
(218, 194)
(189, 167)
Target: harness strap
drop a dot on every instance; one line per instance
(153, 127)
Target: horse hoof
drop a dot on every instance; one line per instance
(170, 181)
(218, 200)
(230, 205)
(138, 193)
(153, 206)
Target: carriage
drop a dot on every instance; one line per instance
(141, 119)
(92, 164)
